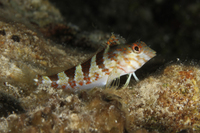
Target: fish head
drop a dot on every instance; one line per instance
(133, 56)
(139, 53)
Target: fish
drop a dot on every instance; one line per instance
(116, 59)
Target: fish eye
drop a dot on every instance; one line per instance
(136, 48)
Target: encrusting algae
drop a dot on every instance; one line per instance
(167, 103)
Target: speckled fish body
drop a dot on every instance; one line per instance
(114, 61)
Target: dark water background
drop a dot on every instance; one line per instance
(170, 27)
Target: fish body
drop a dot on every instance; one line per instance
(115, 60)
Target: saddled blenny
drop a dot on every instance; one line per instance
(115, 60)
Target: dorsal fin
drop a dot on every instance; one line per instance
(113, 40)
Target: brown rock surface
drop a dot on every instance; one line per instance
(168, 102)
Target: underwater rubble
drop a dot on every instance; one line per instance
(166, 101)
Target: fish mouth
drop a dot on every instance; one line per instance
(151, 53)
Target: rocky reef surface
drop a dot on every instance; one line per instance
(36, 39)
